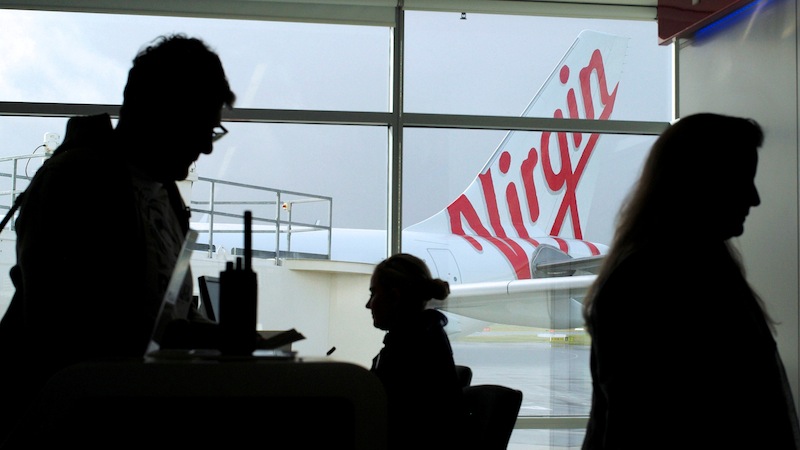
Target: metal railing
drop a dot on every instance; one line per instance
(18, 182)
(275, 211)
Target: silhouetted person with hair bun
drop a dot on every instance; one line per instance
(682, 352)
(416, 363)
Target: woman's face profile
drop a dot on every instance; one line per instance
(734, 195)
(381, 303)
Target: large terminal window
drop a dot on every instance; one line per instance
(318, 110)
(499, 65)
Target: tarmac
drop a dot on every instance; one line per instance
(551, 368)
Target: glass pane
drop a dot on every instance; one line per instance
(62, 57)
(345, 165)
(491, 64)
(26, 136)
(21, 155)
(440, 164)
(326, 176)
(519, 334)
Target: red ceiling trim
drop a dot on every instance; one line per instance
(681, 18)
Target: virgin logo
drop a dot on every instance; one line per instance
(562, 181)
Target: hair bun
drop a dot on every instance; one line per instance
(439, 289)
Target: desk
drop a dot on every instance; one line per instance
(222, 404)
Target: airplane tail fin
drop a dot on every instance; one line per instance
(530, 187)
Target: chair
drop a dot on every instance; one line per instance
(464, 375)
(492, 412)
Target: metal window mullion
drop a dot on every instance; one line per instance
(394, 219)
(397, 118)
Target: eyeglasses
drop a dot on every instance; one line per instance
(218, 132)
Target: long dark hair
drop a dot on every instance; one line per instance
(692, 154)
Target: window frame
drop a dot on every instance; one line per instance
(396, 119)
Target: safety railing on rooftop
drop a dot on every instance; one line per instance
(18, 182)
(218, 208)
(276, 212)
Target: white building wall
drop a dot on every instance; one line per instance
(323, 300)
(747, 65)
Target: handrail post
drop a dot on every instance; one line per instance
(330, 226)
(289, 228)
(13, 189)
(211, 220)
(278, 229)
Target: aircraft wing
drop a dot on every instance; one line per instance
(553, 303)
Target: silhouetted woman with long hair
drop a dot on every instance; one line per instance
(683, 354)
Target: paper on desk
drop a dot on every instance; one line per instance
(279, 340)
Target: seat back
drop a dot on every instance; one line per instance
(492, 413)
(464, 375)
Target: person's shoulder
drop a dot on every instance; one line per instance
(81, 168)
(86, 134)
(89, 149)
(86, 130)
(425, 326)
(634, 264)
(634, 276)
(433, 319)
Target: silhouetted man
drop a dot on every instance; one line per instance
(102, 222)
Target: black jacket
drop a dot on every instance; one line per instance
(682, 358)
(424, 397)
